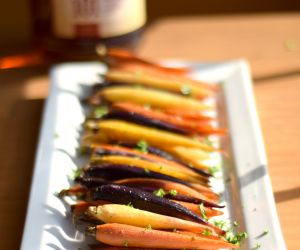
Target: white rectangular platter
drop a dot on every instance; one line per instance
(248, 194)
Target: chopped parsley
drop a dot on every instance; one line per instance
(125, 243)
(149, 227)
(222, 224)
(186, 90)
(100, 111)
(173, 192)
(257, 246)
(206, 232)
(231, 235)
(160, 192)
(76, 173)
(207, 141)
(142, 146)
(202, 211)
(235, 238)
(130, 204)
(265, 232)
(214, 170)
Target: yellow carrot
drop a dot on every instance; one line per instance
(114, 213)
(154, 98)
(160, 82)
(117, 130)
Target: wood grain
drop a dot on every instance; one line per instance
(270, 43)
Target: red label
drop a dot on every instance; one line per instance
(86, 31)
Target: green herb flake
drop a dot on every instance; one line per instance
(146, 170)
(257, 246)
(214, 170)
(208, 142)
(186, 90)
(125, 243)
(265, 232)
(222, 224)
(202, 211)
(142, 146)
(100, 111)
(173, 192)
(235, 238)
(161, 167)
(206, 232)
(160, 192)
(76, 173)
(149, 227)
(129, 204)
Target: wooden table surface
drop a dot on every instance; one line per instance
(271, 44)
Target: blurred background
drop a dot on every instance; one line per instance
(16, 22)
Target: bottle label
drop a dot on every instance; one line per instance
(97, 18)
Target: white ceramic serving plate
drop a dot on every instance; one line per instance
(248, 192)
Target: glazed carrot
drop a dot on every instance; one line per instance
(210, 212)
(159, 81)
(203, 127)
(193, 156)
(125, 235)
(122, 56)
(205, 191)
(143, 155)
(138, 68)
(115, 213)
(164, 184)
(117, 130)
(188, 114)
(102, 247)
(154, 98)
(159, 168)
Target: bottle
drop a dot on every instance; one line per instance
(78, 26)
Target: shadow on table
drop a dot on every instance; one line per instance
(286, 195)
(19, 138)
(275, 76)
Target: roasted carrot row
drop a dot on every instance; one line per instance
(146, 181)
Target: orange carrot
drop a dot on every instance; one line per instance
(122, 56)
(124, 235)
(210, 212)
(191, 114)
(102, 247)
